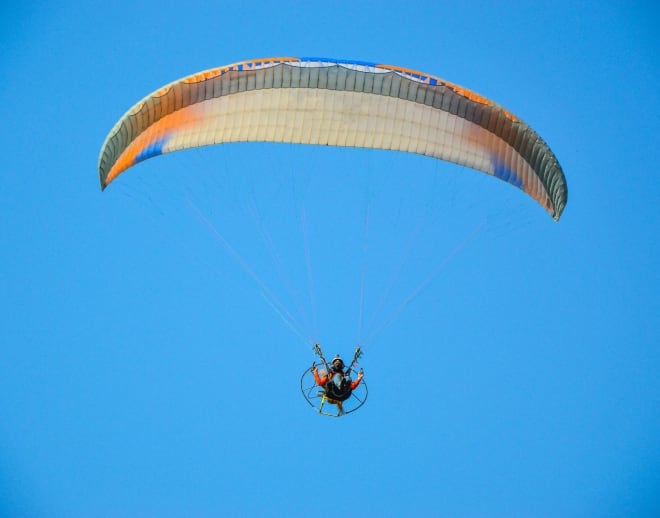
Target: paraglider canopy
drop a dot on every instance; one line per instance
(338, 103)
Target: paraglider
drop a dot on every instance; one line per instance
(344, 103)
(334, 385)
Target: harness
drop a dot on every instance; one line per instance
(341, 392)
(330, 389)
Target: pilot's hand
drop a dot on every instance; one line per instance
(360, 375)
(314, 369)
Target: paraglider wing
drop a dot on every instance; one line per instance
(337, 103)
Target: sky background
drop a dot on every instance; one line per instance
(145, 367)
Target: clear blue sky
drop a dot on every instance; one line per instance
(144, 372)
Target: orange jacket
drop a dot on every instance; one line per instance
(321, 381)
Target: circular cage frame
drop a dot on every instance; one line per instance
(315, 396)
